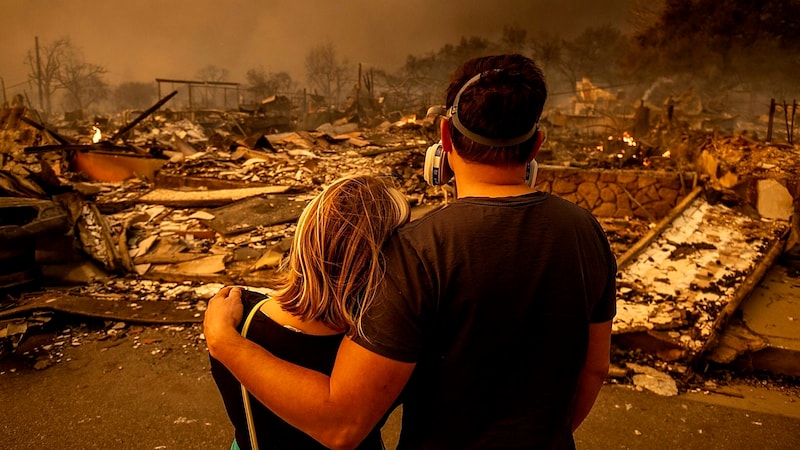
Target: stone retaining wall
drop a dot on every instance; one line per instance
(649, 195)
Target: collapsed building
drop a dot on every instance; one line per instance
(144, 220)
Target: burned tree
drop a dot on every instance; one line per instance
(264, 84)
(134, 95)
(84, 84)
(725, 43)
(594, 54)
(44, 62)
(211, 74)
(326, 73)
(515, 39)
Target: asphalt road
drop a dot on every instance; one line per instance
(150, 388)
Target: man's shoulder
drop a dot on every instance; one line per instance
(557, 203)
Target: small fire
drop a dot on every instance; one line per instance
(97, 135)
(410, 119)
(628, 139)
(666, 154)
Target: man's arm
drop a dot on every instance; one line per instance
(338, 411)
(594, 370)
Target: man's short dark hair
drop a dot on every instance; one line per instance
(506, 101)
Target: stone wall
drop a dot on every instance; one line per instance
(649, 195)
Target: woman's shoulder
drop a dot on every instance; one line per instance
(250, 299)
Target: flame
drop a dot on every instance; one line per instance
(97, 136)
(628, 139)
(666, 154)
(406, 120)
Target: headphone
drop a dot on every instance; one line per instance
(437, 171)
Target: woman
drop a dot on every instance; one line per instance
(329, 279)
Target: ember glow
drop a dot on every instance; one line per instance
(628, 139)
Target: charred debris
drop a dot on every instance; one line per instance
(141, 218)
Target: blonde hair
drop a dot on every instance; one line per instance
(336, 263)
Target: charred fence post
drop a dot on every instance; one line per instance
(771, 116)
(791, 127)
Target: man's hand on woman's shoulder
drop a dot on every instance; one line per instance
(223, 315)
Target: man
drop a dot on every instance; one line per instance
(494, 317)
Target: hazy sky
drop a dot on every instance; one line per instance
(140, 40)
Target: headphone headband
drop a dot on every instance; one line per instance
(475, 137)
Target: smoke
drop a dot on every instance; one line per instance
(656, 84)
(146, 39)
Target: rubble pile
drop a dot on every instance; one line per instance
(220, 210)
(216, 207)
(677, 288)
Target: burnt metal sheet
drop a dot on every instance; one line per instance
(116, 167)
(251, 213)
(153, 312)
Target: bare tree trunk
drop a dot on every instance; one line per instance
(39, 78)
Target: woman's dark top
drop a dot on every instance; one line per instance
(314, 352)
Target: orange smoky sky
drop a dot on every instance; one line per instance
(140, 40)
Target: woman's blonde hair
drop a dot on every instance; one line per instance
(335, 262)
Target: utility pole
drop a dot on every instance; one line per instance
(358, 88)
(39, 77)
(3, 83)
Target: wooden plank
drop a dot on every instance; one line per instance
(200, 199)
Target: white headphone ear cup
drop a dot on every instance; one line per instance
(531, 171)
(436, 172)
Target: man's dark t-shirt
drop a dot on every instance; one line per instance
(492, 298)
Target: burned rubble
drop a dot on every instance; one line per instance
(143, 227)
